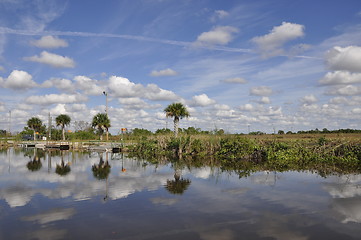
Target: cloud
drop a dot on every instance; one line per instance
(201, 101)
(221, 107)
(18, 80)
(5, 30)
(264, 100)
(234, 80)
(221, 35)
(88, 85)
(356, 110)
(53, 60)
(122, 87)
(165, 72)
(60, 83)
(261, 91)
(246, 107)
(49, 42)
(153, 92)
(309, 99)
(271, 44)
(219, 14)
(49, 99)
(52, 215)
(340, 77)
(164, 201)
(344, 59)
(348, 90)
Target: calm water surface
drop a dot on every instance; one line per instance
(139, 200)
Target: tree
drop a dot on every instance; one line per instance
(62, 120)
(35, 123)
(178, 111)
(101, 122)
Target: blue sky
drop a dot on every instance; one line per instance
(237, 65)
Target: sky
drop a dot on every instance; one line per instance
(236, 65)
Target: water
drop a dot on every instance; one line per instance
(139, 200)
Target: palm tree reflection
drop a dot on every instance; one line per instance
(102, 169)
(178, 185)
(62, 169)
(34, 164)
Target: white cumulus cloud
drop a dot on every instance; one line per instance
(344, 59)
(221, 35)
(340, 77)
(348, 90)
(49, 42)
(122, 87)
(49, 99)
(201, 100)
(18, 80)
(309, 99)
(264, 100)
(52, 59)
(164, 72)
(60, 83)
(271, 44)
(88, 85)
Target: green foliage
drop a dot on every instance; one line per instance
(56, 134)
(256, 133)
(192, 130)
(322, 141)
(84, 135)
(62, 120)
(101, 122)
(141, 132)
(176, 111)
(163, 131)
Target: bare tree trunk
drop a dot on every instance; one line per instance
(63, 130)
(176, 123)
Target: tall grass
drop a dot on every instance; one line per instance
(316, 153)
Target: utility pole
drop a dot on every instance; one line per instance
(106, 102)
(9, 122)
(49, 127)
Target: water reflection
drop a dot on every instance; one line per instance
(102, 169)
(178, 185)
(34, 164)
(190, 202)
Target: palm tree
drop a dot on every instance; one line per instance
(62, 120)
(178, 111)
(35, 123)
(101, 121)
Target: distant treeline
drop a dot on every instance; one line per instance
(192, 130)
